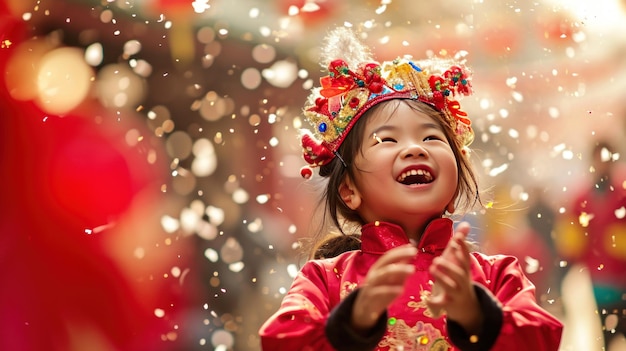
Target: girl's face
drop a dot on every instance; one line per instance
(406, 172)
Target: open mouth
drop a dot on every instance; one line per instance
(415, 176)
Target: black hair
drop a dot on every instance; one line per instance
(335, 244)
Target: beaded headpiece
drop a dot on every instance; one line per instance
(355, 83)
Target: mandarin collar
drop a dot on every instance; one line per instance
(378, 237)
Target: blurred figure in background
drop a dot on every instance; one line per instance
(594, 235)
(541, 218)
(508, 231)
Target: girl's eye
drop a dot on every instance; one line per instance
(432, 137)
(384, 139)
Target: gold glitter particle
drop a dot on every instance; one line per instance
(423, 340)
(585, 218)
(377, 138)
(473, 339)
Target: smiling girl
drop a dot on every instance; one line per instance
(392, 143)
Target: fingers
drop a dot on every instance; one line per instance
(458, 238)
(399, 254)
(451, 272)
(458, 253)
(384, 282)
(437, 301)
(392, 274)
(462, 229)
(436, 305)
(393, 267)
(452, 269)
(448, 276)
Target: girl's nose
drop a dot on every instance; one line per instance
(414, 150)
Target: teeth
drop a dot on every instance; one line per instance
(421, 172)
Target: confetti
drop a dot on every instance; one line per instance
(223, 127)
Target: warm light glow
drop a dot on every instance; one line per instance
(594, 15)
(63, 80)
(119, 87)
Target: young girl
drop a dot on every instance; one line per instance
(393, 144)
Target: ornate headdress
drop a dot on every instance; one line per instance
(356, 83)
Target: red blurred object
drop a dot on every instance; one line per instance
(61, 178)
(62, 288)
(179, 10)
(165, 5)
(92, 177)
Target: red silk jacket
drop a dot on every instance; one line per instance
(321, 285)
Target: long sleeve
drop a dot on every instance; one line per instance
(341, 334)
(299, 323)
(525, 325)
(492, 323)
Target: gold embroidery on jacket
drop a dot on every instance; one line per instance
(421, 337)
(346, 289)
(424, 296)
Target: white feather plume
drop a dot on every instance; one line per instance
(343, 43)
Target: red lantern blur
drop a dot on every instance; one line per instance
(92, 175)
(173, 8)
(62, 287)
(63, 178)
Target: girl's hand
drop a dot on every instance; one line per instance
(453, 292)
(383, 283)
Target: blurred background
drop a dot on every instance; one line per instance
(151, 194)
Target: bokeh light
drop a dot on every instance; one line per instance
(63, 80)
(119, 87)
(23, 67)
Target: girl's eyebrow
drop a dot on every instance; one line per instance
(381, 129)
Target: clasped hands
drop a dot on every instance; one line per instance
(452, 292)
